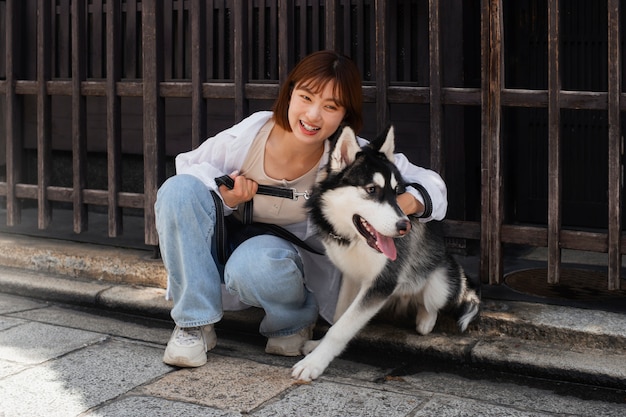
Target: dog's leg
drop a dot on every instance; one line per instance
(434, 297)
(425, 320)
(347, 294)
(337, 338)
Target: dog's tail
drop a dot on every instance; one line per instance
(469, 304)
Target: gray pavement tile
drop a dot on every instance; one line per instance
(8, 322)
(81, 380)
(227, 383)
(11, 303)
(458, 407)
(135, 406)
(9, 368)
(97, 323)
(33, 343)
(326, 398)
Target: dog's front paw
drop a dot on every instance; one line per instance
(309, 346)
(308, 368)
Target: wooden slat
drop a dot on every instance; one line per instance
(198, 72)
(96, 37)
(95, 197)
(131, 66)
(44, 154)
(60, 25)
(330, 30)
(436, 108)
(240, 58)
(114, 117)
(79, 114)
(615, 147)
(382, 74)
(284, 40)
(554, 145)
(491, 172)
(13, 117)
(153, 112)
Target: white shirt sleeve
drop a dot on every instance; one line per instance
(223, 153)
(432, 183)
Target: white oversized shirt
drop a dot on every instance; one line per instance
(226, 152)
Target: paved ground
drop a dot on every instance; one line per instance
(83, 328)
(60, 360)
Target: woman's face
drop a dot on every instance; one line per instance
(314, 116)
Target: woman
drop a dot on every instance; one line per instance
(285, 147)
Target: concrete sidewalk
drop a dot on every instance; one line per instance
(562, 343)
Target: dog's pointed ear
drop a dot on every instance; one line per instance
(388, 145)
(345, 150)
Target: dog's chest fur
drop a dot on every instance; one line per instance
(355, 259)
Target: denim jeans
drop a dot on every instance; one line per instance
(264, 271)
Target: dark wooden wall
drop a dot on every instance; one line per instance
(148, 79)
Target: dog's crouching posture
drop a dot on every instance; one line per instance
(387, 259)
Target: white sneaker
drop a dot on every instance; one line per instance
(289, 345)
(188, 346)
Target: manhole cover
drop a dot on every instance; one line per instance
(575, 284)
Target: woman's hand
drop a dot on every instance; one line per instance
(244, 190)
(409, 204)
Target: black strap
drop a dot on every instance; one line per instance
(272, 229)
(248, 207)
(428, 202)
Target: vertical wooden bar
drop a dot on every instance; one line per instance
(491, 173)
(153, 111)
(13, 115)
(96, 55)
(198, 72)
(330, 20)
(260, 35)
(284, 43)
(114, 116)
(210, 41)
(44, 154)
(436, 108)
(554, 145)
(240, 56)
(615, 146)
(130, 42)
(382, 75)
(60, 25)
(79, 114)
(303, 29)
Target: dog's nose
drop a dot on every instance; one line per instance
(403, 226)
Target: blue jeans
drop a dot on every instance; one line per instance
(264, 271)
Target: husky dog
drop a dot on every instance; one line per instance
(386, 258)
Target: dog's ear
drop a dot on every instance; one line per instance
(345, 150)
(388, 146)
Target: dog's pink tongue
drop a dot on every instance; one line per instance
(387, 246)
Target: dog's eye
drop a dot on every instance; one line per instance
(371, 189)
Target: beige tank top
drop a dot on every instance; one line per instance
(275, 210)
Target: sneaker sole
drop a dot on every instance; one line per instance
(184, 362)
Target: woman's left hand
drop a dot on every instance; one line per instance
(409, 204)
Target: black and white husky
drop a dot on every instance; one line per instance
(387, 259)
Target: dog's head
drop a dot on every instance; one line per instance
(356, 197)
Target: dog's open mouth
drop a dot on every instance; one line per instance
(381, 243)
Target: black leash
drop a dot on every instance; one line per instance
(258, 228)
